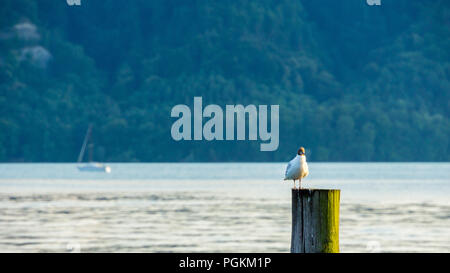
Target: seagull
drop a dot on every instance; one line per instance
(297, 168)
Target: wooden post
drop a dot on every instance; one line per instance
(315, 221)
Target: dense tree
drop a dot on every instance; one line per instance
(354, 82)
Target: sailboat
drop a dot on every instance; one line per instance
(91, 166)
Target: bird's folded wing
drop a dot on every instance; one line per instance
(292, 168)
(289, 166)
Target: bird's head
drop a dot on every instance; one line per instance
(301, 151)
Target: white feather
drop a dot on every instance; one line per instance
(297, 168)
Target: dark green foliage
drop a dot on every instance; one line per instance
(354, 82)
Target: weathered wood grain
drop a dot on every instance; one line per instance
(315, 221)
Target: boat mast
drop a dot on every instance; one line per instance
(83, 148)
(91, 150)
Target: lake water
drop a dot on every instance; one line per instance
(217, 207)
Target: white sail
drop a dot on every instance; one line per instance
(83, 148)
(92, 166)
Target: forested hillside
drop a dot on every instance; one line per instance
(354, 82)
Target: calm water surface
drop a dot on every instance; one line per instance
(229, 207)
